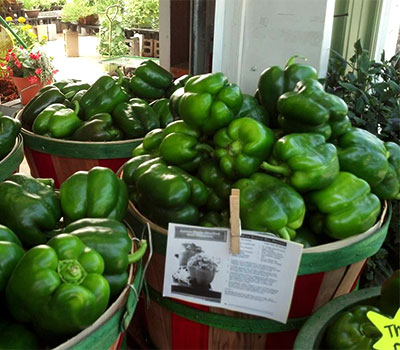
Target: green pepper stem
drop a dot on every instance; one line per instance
(136, 256)
(369, 330)
(293, 58)
(283, 232)
(120, 76)
(76, 109)
(282, 169)
(46, 181)
(204, 147)
(71, 271)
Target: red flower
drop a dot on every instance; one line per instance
(2, 64)
(18, 64)
(7, 57)
(33, 56)
(55, 71)
(38, 71)
(33, 79)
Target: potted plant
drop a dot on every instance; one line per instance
(25, 32)
(142, 14)
(29, 69)
(73, 11)
(32, 8)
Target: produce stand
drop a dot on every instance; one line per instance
(183, 158)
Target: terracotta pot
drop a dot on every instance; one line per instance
(26, 90)
(32, 13)
(89, 20)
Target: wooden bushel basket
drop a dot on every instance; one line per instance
(326, 272)
(58, 159)
(312, 333)
(10, 163)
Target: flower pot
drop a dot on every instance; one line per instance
(89, 20)
(26, 90)
(32, 13)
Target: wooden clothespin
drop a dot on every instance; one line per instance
(235, 220)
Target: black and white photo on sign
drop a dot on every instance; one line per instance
(196, 273)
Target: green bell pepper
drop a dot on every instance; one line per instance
(209, 102)
(165, 193)
(344, 208)
(78, 96)
(364, 155)
(50, 96)
(305, 160)
(178, 144)
(161, 108)
(9, 130)
(57, 121)
(269, 205)
(70, 89)
(29, 207)
(181, 146)
(136, 166)
(97, 193)
(103, 96)
(111, 239)
(313, 108)
(64, 82)
(220, 187)
(389, 302)
(98, 127)
(389, 187)
(252, 109)
(353, 330)
(274, 81)
(151, 143)
(58, 287)
(306, 238)
(150, 81)
(242, 146)
(214, 219)
(177, 84)
(17, 336)
(135, 118)
(174, 102)
(11, 252)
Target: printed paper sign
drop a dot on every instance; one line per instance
(259, 281)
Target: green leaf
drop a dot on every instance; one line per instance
(348, 86)
(393, 85)
(358, 47)
(364, 62)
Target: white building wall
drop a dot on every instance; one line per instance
(251, 35)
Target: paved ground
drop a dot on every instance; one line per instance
(86, 67)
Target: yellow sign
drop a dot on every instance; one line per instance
(390, 329)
